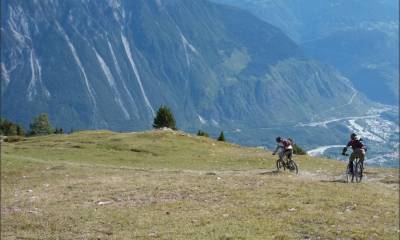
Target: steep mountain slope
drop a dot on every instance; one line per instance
(368, 57)
(359, 38)
(110, 64)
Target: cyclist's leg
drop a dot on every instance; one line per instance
(288, 155)
(361, 156)
(353, 156)
(358, 153)
(281, 155)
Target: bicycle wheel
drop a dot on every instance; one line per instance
(349, 173)
(292, 166)
(280, 165)
(359, 172)
(354, 173)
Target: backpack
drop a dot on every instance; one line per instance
(286, 143)
(356, 144)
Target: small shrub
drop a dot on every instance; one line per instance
(76, 146)
(202, 133)
(11, 139)
(9, 128)
(58, 131)
(298, 150)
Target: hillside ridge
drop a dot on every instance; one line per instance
(171, 184)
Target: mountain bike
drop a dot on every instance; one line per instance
(289, 164)
(355, 170)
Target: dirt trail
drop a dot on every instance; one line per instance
(370, 176)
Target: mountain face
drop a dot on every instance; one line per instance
(359, 38)
(368, 57)
(111, 64)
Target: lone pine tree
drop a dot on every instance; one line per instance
(164, 118)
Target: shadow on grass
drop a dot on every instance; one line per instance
(274, 172)
(211, 174)
(59, 167)
(371, 173)
(334, 181)
(390, 181)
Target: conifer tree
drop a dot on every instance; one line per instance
(221, 137)
(20, 130)
(164, 118)
(40, 125)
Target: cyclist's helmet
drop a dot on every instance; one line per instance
(278, 139)
(353, 136)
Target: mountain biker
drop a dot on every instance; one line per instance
(359, 149)
(284, 148)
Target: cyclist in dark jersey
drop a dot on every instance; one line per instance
(284, 148)
(359, 149)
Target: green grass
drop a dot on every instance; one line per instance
(171, 185)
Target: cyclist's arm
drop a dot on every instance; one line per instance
(276, 149)
(345, 148)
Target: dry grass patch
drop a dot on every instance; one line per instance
(192, 188)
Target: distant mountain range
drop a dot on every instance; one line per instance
(359, 38)
(111, 64)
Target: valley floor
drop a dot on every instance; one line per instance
(171, 185)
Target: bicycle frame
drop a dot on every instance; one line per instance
(356, 170)
(287, 163)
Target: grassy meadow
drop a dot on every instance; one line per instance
(172, 185)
